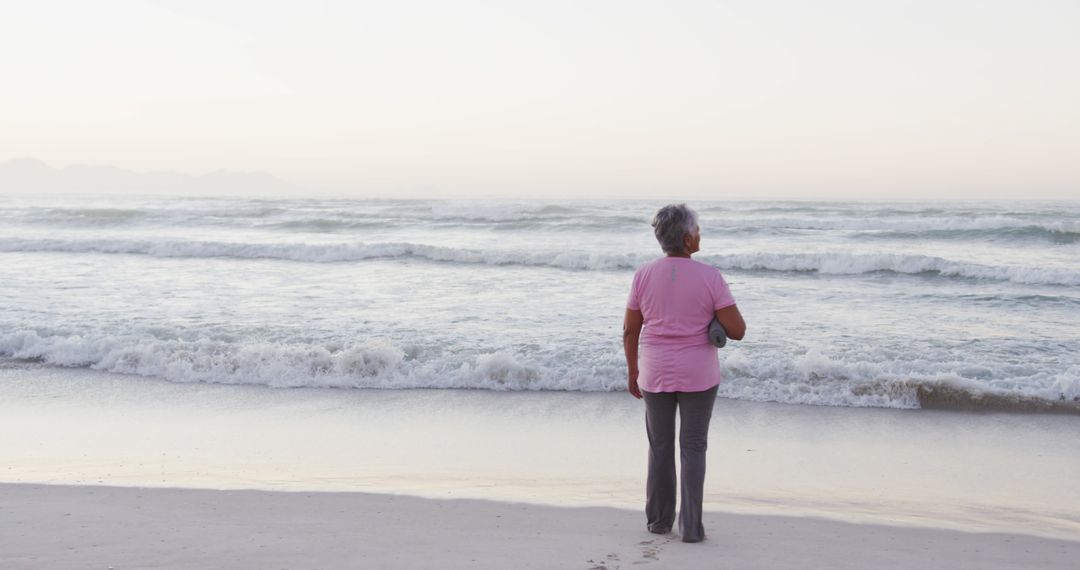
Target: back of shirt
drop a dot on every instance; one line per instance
(677, 297)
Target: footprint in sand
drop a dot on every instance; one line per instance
(650, 550)
(610, 563)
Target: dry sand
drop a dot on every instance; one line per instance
(60, 527)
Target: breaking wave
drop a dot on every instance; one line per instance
(832, 263)
(375, 364)
(341, 216)
(810, 378)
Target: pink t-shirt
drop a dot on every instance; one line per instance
(677, 297)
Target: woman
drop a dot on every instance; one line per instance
(676, 298)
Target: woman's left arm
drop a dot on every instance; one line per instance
(631, 333)
(732, 321)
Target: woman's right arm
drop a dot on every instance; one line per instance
(631, 334)
(733, 322)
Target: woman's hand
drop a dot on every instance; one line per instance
(631, 384)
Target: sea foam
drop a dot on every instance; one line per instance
(871, 379)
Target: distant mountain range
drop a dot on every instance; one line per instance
(31, 176)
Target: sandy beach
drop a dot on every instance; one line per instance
(110, 527)
(108, 470)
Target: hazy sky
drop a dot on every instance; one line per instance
(802, 99)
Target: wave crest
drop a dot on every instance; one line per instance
(832, 263)
(373, 364)
(808, 378)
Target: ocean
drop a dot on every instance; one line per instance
(858, 304)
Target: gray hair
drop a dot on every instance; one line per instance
(671, 223)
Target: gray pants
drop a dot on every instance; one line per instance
(695, 411)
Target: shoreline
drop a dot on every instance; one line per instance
(64, 526)
(926, 396)
(794, 481)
